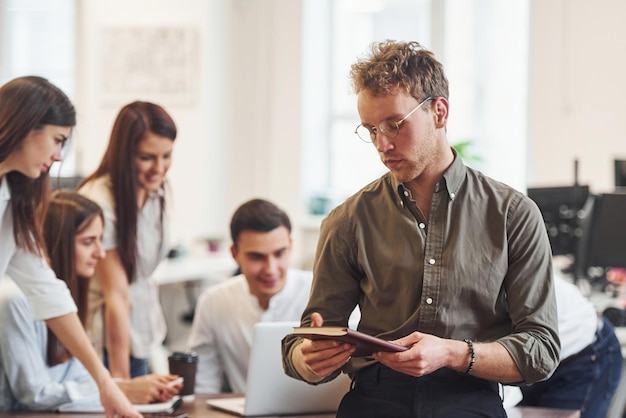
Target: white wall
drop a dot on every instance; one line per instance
(264, 147)
(577, 91)
(200, 120)
(239, 135)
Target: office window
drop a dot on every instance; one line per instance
(483, 46)
(37, 38)
(336, 163)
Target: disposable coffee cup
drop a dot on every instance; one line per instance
(185, 366)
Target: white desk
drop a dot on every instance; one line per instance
(208, 266)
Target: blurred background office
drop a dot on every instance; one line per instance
(259, 89)
(260, 93)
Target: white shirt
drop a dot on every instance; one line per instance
(26, 382)
(48, 296)
(578, 319)
(223, 325)
(147, 323)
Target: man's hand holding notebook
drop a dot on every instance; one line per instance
(365, 344)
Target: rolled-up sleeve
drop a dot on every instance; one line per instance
(533, 343)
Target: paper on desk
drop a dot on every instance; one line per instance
(84, 408)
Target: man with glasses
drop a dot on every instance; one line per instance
(439, 258)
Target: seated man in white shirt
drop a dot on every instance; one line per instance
(267, 290)
(591, 361)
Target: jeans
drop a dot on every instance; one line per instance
(138, 366)
(378, 391)
(585, 381)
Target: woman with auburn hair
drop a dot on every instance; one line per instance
(36, 118)
(130, 186)
(45, 375)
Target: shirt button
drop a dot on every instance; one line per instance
(452, 195)
(429, 301)
(431, 261)
(421, 225)
(406, 193)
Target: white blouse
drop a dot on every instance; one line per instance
(48, 296)
(147, 322)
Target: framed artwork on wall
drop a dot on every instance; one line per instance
(159, 63)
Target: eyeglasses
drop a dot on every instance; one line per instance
(386, 127)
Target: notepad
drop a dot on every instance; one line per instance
(96, 408)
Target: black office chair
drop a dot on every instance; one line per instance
(620, 174)
(603, 237)
(560, 207)
(70, 183)
(191, 294)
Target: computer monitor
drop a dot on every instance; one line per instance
(620, 174)
(70, 183)
(603, 239)
(560, 207)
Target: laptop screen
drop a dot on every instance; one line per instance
(271, 391)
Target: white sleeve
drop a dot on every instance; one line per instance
(22, 350)
(79, 384)
(202, 340)
(49, 297)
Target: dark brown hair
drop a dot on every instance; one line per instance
(257, 215)
(68, 214)
(26, 104)
(407, 65)
(132, 124)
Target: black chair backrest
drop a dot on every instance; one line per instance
(70, 183)
(603, 233)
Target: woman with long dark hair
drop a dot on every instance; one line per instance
(125, 318)
(36, 118)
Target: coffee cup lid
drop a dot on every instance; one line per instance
(189, 357)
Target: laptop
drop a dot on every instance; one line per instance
(270, 391)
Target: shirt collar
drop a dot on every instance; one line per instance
(156, 195)
(5, 191)
(151, 195)
(454, 175)
(452, 179)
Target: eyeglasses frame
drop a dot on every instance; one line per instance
(373, 133)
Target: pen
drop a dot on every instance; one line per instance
(175, 406)
(175, 381)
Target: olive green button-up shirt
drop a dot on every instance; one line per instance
(480, 267)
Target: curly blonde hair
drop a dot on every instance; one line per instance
(407, 65)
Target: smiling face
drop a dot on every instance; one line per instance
(88, 247)
(153, 160)
(264, 260)
(416, 148)
(38, 151)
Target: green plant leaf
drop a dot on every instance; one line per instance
(464, 151)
